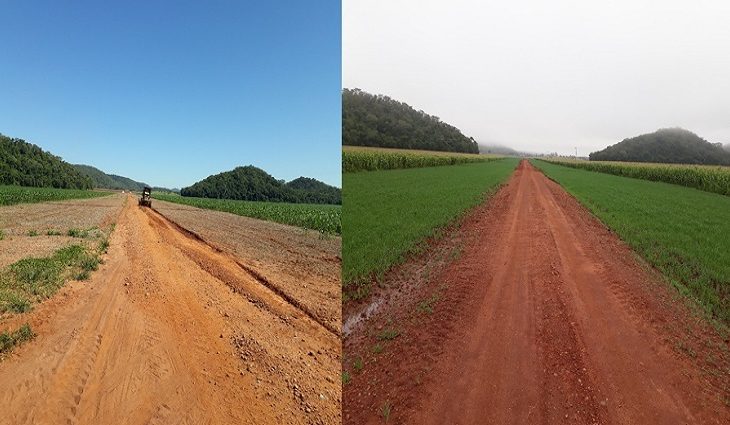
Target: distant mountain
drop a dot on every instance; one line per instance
(316, 192)
(669, 145)
(377, 120)
(254, 184)
(501, 150)
(25, 164)
(164, 189)
(103, 180)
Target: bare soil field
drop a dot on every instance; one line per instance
(171, 330)
(16, 221)
(303, 265)
(542, 316)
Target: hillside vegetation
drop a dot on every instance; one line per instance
(25, 164)
(254, 184)
(668, 145)
(377, 120)
(103, 180)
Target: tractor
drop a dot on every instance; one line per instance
(146, 199)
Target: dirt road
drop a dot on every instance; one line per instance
(548, 318)
(170, 331)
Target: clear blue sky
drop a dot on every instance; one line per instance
(171, 92)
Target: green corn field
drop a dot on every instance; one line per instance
(372, 159)
(710, 178)
(320, 217)
(10, 195)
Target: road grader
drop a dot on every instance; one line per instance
(146, 199)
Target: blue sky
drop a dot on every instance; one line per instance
(171, 92)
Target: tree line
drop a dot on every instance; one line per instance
(25, 164)
(254, 184)
(378, 120)
(667, 145)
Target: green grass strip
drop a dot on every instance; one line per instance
(10, 340)
(10, 195)
(320, 217)
(683, 232)
(31, 280)
(388, 214)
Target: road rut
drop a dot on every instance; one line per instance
(170, 331)
(548, 318)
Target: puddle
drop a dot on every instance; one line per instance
(353, 321)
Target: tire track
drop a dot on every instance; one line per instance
(550, 320)
(260, 278)
(149, 339)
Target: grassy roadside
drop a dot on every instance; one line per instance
(388, 214)
(683, 232)
(32, 280)
(10, 195)
(320, 217)
(10, 340)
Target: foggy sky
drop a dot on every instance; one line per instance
(544, 76)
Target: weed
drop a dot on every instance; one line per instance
(378, 348)
(11, 301)
(103, 246)
(37, 275)
(70, 254)
(18, 304)
(385, 410)
(426, 306)
(89, 263)
(687, 349)
(456, 253)
(78, 233)
(33, 279)
(358, 364)
(388, 334)
(8, 340)
(346, 378)
(358, 291)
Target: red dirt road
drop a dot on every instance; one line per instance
(170, 331)
(548, 318)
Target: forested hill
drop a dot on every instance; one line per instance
(254, 184)
(25, 164)
(377, 120)
(669, 145)
(103, 180)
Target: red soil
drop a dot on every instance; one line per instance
(545, 317)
